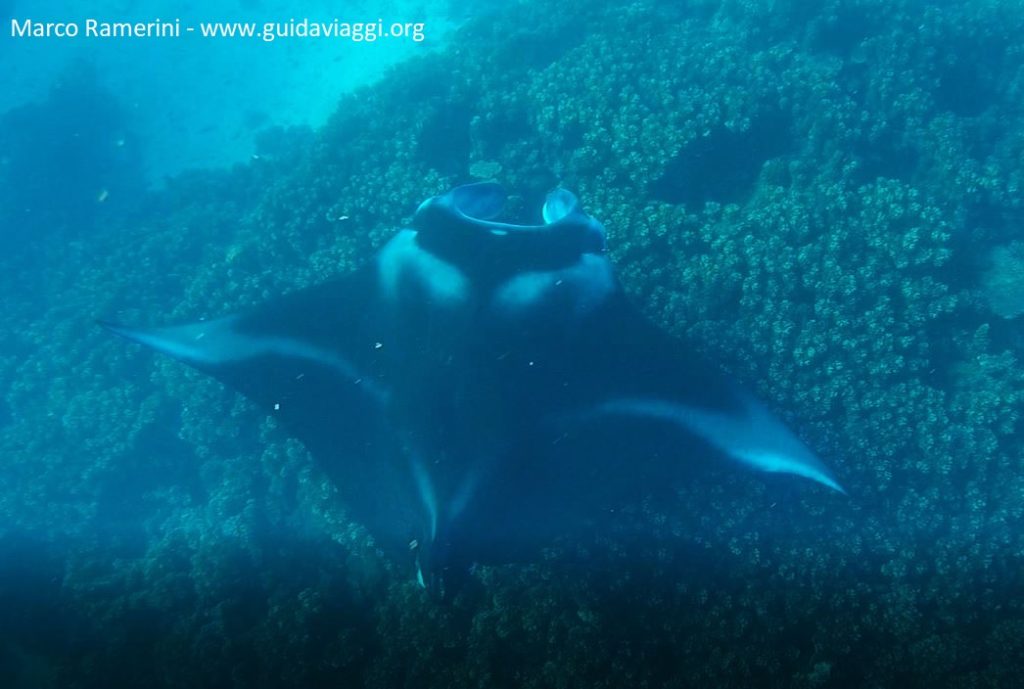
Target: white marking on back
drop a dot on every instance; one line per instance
(401, 260)
(585, 283)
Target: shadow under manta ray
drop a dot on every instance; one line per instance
(481, 388)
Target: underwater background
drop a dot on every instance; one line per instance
(826, 197)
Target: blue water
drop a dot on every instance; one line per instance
(823, 201)
(197, 102)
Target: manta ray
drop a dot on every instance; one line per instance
(480, 389)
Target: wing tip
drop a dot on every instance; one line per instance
(833, 484)
(118, 329)
(177, 342)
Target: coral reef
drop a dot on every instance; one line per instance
(1003, 283)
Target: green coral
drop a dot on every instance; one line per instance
(1003, 283)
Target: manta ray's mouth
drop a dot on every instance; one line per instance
(468, 213)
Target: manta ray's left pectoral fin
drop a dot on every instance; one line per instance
(629, 371)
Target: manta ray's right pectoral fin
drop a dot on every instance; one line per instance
(314, 359)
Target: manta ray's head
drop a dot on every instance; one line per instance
(459, 226)
(455, 257)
